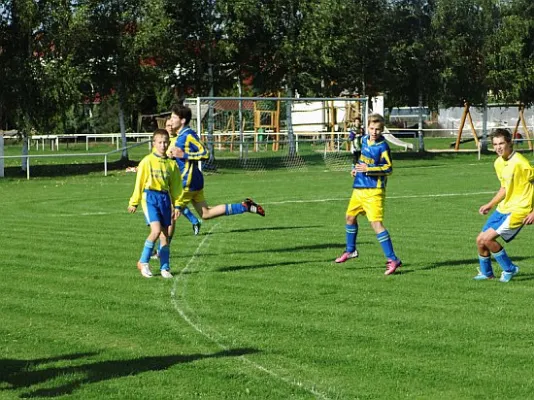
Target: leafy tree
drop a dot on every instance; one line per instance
(511, 63)
(39, 80)
(119, 43)
(464, 31)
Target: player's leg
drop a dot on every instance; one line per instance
(195, 222)
(164, 250)
(351, 228)
(150, 242)
(206, 212)
(150, 211)
(507, 226)
(373, 204)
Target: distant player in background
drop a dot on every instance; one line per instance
(157, 188)
(369, 193)
(514, 201)
(355, 137)
(188, 151)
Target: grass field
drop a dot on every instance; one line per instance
(257, 308)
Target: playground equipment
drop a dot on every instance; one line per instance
(466, 116)
(266, 121)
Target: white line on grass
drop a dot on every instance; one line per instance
(198, 328)
(414, 196)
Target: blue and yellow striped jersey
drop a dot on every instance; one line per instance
(516, 176)
(377, 156)
(156, 173)
(194, 151)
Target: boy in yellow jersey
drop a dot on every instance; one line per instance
(157, 188)
(514, 201)
(369, 192)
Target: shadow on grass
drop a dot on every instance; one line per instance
(258, 266)
(455, 263)
(21, 375)
(60, 170)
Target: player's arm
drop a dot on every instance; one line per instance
(484, 209)
(195, 150)
(384, 167)
(140, 182)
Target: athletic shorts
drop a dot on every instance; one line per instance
(368, 202)
(196, 196)
(157, 207)
(506, 225)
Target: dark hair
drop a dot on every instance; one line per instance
(160, 132)
(183, 112)
(502, 132)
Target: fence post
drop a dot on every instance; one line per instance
(105, 165)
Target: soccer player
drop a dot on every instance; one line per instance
(157, 188)
(514, 202)
(195, 222)
(188, 151)
(369, 193)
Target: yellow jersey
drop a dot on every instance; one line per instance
(516, 176)
(157, 173)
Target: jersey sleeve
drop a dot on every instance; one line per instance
(175, 182)
(383, 167)
(140, 182)
(192, 147)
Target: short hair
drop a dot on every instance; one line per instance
(375, 118)
(160, 132)
(183, 112)
(502, 132)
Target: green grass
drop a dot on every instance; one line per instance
(257, 309)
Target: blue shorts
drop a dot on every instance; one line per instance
(501, 223)
(157, 207)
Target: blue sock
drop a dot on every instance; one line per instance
(190, 216)
(485, 265)
(164, 256)
(147, 252)
(387, 246)
(504, 261)
(168, 243)
(236, 208)
(351, 231)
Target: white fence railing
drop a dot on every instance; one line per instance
(28, 157)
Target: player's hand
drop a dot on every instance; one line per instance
(353, 172)
(132, 209)
(529, 219)
(352, 135)
(176, 214)
(177, 152)
(483, 210)
(361, 167)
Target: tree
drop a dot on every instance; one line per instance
(511, 63)
(119, 43)
(39, 80)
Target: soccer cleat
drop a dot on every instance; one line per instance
(346, 255)
(391, 266)
(482, 277)
(165, 273)
(145, 269)
(196, 228)
(253, 207)
(507, 276)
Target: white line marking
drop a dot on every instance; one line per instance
(414, 196)
(175, 301)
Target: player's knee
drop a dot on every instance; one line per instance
(350, 219)
(482, 241)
